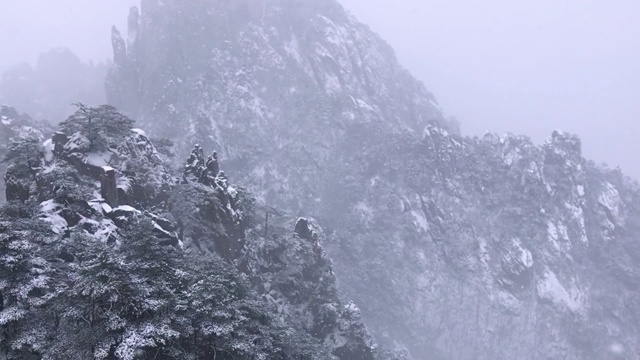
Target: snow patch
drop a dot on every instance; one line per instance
(107, 228)
(159, 228)
(363, 105)
(124, 183)
(292, 49)
(232, 192)
(352, 307)
(610, 199)
(77, 142)
(98, 159)
(420, 221)
(139, 132)
(50, 212)
(550, 288)
(552, 234)
(48, 147)
(127, 208)
(525, 256)
(106, 207)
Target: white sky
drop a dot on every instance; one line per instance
(525, 66)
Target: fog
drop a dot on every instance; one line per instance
(526, 67)
(29, 27)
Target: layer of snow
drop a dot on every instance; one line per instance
(420, 221)
(106, 229)
(106, 207)
(610, 199)
(50, 212)
(98, 159)
(48, 147)
(162, 230)
(99, 204)
(525, 256)
(363, 105)
(550, 288)
(124, 183)
(139, 132)
(552, 234)
(26, 131)
(127, 208)
(77, 141)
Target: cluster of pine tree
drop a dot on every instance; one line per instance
(168, 269)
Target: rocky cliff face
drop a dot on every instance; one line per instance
(453, 247)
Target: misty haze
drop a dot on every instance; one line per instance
(319, 179)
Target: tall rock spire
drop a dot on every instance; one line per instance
(119, 48)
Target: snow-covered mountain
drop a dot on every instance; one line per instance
(453, 247)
